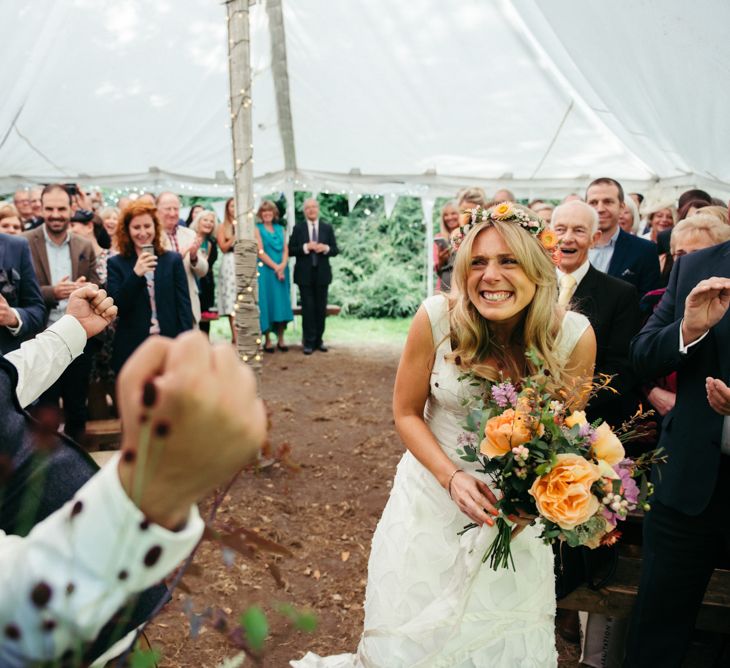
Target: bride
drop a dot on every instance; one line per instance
(429, 600)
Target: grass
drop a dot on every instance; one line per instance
(391, 331)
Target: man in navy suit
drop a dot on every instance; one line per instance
(617, 253)
(313, 243)
(22, 312)
(690, 519)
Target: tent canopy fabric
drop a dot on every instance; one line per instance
(412, 98)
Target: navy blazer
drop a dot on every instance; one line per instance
(303, 274)
(15, 260)
(691, 432)
(129, 292)
(635, 261)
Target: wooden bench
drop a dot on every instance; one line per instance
(100, 433)
(332, 309)
(617, 598)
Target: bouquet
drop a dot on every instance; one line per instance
(548, 461)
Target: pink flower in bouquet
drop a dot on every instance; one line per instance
(629, 487)
(504, 432)
(607, 446)
(564, 494)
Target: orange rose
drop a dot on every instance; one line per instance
(564, 495)
(577, 417)
(504, 432)
(607, 446)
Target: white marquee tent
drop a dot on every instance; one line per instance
(370, 96)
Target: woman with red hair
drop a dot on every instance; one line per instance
(147, 282)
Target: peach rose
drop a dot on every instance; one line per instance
(607, 446)
(564, 495)
(504, 432)
(577, 417)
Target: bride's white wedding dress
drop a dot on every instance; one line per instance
(429, 600)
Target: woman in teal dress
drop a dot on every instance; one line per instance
(274, 286)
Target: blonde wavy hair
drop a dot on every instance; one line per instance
(471, 337)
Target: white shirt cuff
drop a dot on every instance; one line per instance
(685, 348)
(15, 330)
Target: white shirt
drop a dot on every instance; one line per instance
(725, 438)
(59, 264)
(101, 550)
(579, 274)
(600, 256)
(314, 224)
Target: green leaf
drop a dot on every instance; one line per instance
(303, 620)
(256, 626)
(144, 658)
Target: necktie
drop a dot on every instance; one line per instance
(567, 288)
(315, 259)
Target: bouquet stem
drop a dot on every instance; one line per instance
(499, 553)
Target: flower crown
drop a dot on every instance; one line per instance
(506, 212)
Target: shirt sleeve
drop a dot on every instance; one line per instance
(41, 360)
(684, 349)
(77, 567)
(15, 330)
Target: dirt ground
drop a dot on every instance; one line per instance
(334, 411)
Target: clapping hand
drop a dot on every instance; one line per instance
(7, 315)
(718, 396)
(64, 288)
(92, 308)
(704, 307)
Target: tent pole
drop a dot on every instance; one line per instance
(246, 249)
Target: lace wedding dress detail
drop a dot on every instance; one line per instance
(429, 600)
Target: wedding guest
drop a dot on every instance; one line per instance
(21, 200)
(275, 310)
(612, 307)
(205, 225)
(63, 262)
(693, 193)
(83, 226)
(503, 195)
(660, 216)
(194, 210)
(109, 218)
(573, 197)
(545, 211)
(138, 524)
(226, 238)
(147, 283)
(442, 258)
(617, 253)
(429, 599)
(638, 199)
(35, 201)
(689, 235)
(123, 202)
(629, 219)
(467, 199)
(184, 241)
(688, 525)
(22, 311)
(313, 243)
(719, 212)
(9, 220)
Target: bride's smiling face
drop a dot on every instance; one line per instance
(497, 285)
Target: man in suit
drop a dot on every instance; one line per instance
(63, 262)
(689, 520)
(313, 243)
(617, 253)
(186, 242)
(22, 312)
(612, 306)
